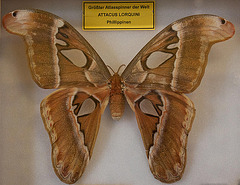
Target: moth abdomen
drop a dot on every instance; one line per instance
(117, 104)
(117, 99)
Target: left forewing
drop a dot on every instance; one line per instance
(52, 44)
(164, 119)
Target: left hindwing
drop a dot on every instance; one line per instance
(72, 118)
(164, 119)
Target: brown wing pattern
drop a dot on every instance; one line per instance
(167, 120)
(46, 38)
(72, 133)
(164, 130)
(188, 42)
(164, 115)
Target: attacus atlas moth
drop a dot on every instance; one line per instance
(164, 126)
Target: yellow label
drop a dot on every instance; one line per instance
(102, 15)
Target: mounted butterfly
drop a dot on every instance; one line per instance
(73, 133)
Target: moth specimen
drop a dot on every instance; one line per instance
(73, 133)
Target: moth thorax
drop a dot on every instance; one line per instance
(117, 103)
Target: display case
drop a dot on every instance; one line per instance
(119, 155)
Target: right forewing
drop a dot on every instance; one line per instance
(186, 44)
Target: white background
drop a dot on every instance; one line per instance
(119, 156)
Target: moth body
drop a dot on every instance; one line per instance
(117, 99)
